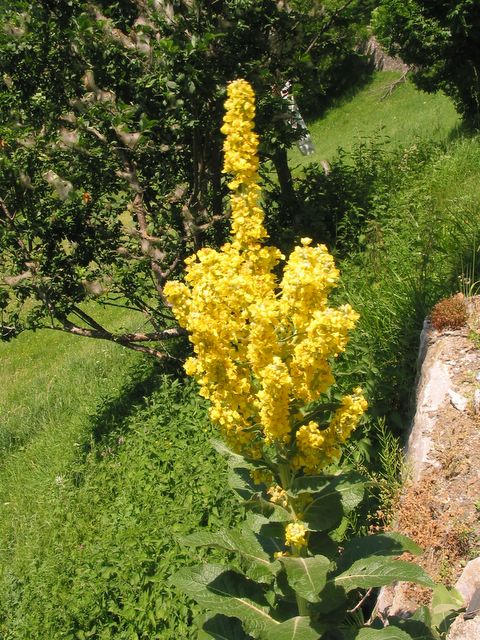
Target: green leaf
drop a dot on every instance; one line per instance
(378, 571)
(243, 542)
(232, 458)
(307, 576)
(333, 498)
(222, 628)
(381, 544)
(240, 481)
(445, 604)
(418, 626)
(224, 591)
(388, 633)
(298, 628)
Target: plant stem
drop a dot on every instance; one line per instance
(285, 476)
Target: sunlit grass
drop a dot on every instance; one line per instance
(400, 114)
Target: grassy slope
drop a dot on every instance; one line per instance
(400, 116)
(52, 384)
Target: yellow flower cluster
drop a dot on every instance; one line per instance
(263, 347)
(315, 447)
(241, 142)
(296, 534)
(278, 495)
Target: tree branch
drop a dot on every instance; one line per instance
(128, 340)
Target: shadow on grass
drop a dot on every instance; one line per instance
(358, 74)
(112, 412)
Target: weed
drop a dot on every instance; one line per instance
(474, 336)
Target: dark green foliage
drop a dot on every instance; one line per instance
(441, 40)
(110, 143)
(101, 567)
(306, 595)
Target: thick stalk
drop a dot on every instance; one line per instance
(285, 478)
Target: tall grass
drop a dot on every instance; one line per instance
(415, 240)
(108, 534)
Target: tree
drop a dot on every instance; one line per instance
(110, 145)
(441, 40)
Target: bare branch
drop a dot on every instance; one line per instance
(359, 604)
(394, 85)
(128, 340)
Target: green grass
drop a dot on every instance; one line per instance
(104, 462)
(401, 116)
(417, 239)
(97, 562)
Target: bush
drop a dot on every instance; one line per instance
(449, 313)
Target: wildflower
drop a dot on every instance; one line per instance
(262, 346)
(296, 534)
(278, 495)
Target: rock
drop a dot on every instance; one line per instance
(467, 627)
(469, 581)
(432, 391)
(476, 401)
(457, 400)
(463, 629)
(393, 600)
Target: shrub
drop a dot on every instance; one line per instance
(449, 313)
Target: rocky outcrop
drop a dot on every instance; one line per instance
(439, 505)
(381, 61)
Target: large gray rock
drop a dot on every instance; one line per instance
(469, 581)
(463, 629)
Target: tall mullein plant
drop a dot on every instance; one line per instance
(263, 353)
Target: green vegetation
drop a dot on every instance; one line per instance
(92, 556)
(387, 107)
(120, 149)
(98, 480)
(440, 42)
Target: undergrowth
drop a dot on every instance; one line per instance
(100, 568)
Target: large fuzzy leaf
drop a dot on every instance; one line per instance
(240, 481)
(307, 576)
(235, 459)
(381, 544)
(243, 542)
(333, 499)
(221, 627)
(445, 604)
(229, 593)
(418, 627)
(298, 628)
(387, 633)
(378, 571)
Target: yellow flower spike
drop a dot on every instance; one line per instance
(262, 348)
